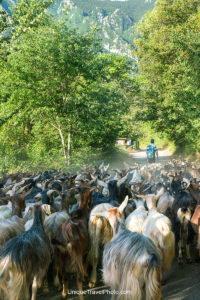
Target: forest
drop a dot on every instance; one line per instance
(63, 100)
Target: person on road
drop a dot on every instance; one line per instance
(152, 152)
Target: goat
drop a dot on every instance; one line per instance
(135, 220)
(6, 211)
(24, 260)
(158, 227)
(182, 211)
(165, 202)
(131, 263)
(100, 232)
(46, 208)
(51, 225)
(72, 242)
(14, 225)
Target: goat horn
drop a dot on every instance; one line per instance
(37, 177)
(50, 192)
(102, 183)
(93, 177)
(26, 193)
(101, 165)
(38, 197)
(10, 193)
(6, 189)
(22, 189)
(122, 180)
(123, 205)
(160, 193)
(106, 168)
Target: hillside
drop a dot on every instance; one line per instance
(114, 19)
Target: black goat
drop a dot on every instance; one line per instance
(182, 210)
(25, 259)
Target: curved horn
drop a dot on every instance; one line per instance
(50, 192)
(102, 183)
(93, 177)
(6, 189)
(10, 193)
(123, 205)
(160, 193)
(122, 180)
(101, 165)
(38, 197)
(106, 168)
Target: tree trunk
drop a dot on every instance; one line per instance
(63, 142)
(66, 155)
(69, 145)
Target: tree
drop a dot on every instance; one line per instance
(58, 84)
(167, 48)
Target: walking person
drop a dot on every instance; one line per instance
(152, 152)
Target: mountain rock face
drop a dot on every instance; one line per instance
(115, 20)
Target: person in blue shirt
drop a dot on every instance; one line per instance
(152, 152)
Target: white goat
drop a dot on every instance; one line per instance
(131, 263)
(158, 227)
(135, 220)
(100, 232)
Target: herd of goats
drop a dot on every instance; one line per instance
(131, 223)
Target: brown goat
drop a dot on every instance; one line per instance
(72, 241)
(14, 225)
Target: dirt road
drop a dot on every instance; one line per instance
(182, 282)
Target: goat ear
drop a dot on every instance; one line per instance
(123, 205)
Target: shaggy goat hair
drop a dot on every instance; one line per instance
(131, 263)
(24, 260)
(72, 242)
(51, 225)
(100, 233)
(158, 227)
(14, 225)
(182, 211)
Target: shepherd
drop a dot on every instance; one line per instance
(152, 152)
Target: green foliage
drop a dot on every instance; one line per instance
(168, 46)
(57, 82)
